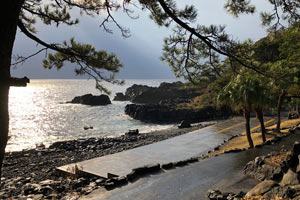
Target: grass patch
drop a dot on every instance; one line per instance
(242, 142)
(194, 104)
(258, 126)
(277, 159)
(287, 124)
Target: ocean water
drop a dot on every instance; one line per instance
(39, 114)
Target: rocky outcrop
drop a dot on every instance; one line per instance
(165, 104)
(167, 114)
(121, 97)
(136, 90)
(279, 180)
(91, 100)
(185, 124)
(143, 94)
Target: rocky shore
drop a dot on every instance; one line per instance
(168, 113)
(32, 173)
(168, 103)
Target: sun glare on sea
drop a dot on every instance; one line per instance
(24, 104)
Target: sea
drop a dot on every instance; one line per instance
(39, 113)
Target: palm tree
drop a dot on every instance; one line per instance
(245, 93)
(260, 100)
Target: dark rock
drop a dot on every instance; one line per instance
(31, 189)
(296, 148)
(140, 170)
(153, 167)
(167, 166)
(46, 190)
(234, 150)
(268, 142)
(284, 166)
(136, 90)
(259, 161)
(276, 139)
(217, 195)
(100, 182)
(192, 160)
(169, 114)
(214, 194)
(132, 132)
(292, 131)
(88, 127)
(122, 180)
(81, 182)
(185, 124)
(92, 100)
(292, 160)
(217, 148)
(109, 185)
(146, 169)
(131, 176)
(180, 163)
(121, 97)
(60, 188)
(159, 95)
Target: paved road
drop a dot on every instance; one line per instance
(192, 181)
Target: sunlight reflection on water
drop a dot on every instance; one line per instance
(38, 113)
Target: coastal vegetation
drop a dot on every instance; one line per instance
(252, 75)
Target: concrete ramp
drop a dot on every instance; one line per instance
(175, 149)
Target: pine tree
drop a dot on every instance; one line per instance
(22, 15)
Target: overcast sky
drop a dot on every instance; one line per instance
(140, 53)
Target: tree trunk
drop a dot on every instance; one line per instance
(248, 133)
(279, 105)
(260, 117)
(9, 14)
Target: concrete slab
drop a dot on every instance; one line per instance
(192, 182)
(171, 150)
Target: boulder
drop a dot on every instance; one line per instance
(87, 127)
(132, 132)
(262, 188)
(121, 97)
(289, 178)
(185, 124)
(92, 100)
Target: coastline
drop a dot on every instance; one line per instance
(26, 171)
